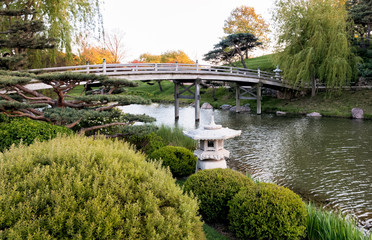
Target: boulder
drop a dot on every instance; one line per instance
(313, 114)
(206, 106)
(280, 113)
(226, 107)
(242, 109)
(357, 113)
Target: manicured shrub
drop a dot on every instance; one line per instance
(180, 160)
(27, 131)
(81, 188)
(146, 143)
(267, 211)
(214, 188)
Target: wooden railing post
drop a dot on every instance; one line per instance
(87, 67)
(156, 67)
(231, 70)
(197, 65)
(259, 72)
(104, 66)
(176, 66)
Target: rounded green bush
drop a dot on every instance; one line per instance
(80, 188)
(267, 211)
(214, 188)
(27, 131)
(180, 160)
(146, 143)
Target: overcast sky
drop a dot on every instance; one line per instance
(156, 26)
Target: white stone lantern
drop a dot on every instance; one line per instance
(211, 153)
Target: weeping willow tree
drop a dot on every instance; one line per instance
(65, 20)
(313, 43)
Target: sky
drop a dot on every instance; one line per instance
(157, 26)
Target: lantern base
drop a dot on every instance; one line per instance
(210, 164)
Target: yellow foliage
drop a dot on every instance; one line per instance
(245, 20)
(167, 57)
(95, 55)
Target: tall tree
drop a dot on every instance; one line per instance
(17, 36)
(232, 46)
(313, 42)
(114, 43)
(361, 13)
(244, 19)
(65, 19)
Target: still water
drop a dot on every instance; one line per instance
(327, 160)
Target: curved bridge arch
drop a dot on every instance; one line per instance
(179, 73)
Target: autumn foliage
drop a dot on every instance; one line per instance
(167, 57)
(245, 20)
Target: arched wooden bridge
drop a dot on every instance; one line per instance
(245, 79)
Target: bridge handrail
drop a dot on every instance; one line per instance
(162, 67)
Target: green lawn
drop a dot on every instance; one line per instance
(265, 63)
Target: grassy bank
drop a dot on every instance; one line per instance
(335, 105)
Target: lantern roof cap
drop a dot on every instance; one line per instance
(212, 132)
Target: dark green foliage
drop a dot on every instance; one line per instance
(267, 211)
(121, 99)
(215, 188)
(146, 143)
(8, 81)
(119, 82)
(27, 131)
(139, 130)
(70, 76)
(85, 188)
(180, 160)
(19, 32)
(232, 46)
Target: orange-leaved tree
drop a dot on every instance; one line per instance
(167, 57)
(244, 19)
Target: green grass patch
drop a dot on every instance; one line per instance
(212, 234)
(265, 63)
(339, 105)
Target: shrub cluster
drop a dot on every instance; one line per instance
(146, 143)
(267, 211)
(180, 160)
(214, 188)
(27, 131)
(80, 188)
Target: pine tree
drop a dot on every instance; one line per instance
(85, 113)
(19, 32)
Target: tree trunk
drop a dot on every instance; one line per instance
(313, 86)
(242, 60)
(160, 87)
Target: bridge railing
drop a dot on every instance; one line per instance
(134, 68)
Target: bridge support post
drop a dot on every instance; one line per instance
(237, 97)
(176, 100)
(259, 98)
(197, 100)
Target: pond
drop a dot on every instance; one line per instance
(328, 160)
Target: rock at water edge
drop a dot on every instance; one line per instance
(357, 113)
(226, 107)
(206, 106)
(313, 114)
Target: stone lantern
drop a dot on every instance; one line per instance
(211, 153)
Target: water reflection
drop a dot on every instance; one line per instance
(329, 159)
